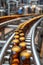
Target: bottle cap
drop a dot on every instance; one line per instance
(16, 49)
(22, 44)
(15, 41)
(22, 34)
(25, 54)
(22, 38)
(16, 36)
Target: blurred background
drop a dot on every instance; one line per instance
(10, 7)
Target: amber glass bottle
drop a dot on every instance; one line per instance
(16, 33)
(14, 58)
(15, 51)
(22, 39)
(15, 61)
(21, 34)
(15, 42)
(22, 46)
(20, 31)
(16, 37)
(25, 57)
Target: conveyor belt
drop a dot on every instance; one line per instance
(10, 26)
(27, 28)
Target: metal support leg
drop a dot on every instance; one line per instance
(3, 34)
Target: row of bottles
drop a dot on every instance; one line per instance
(19, 54)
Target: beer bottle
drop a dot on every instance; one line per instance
(16, 60)
(22, 46)
(15, 42)
(20, 31)
(16, 30)
(16, 33)
(15, 51)
(22, 39)
(25, 57)
(14, 57)
(16, 37)
(15, 64)
(21, 34)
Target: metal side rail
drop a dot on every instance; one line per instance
(7, 22)
(13, 20)
(11, 24)
(4, 48)
(30, 35)
(35, 54)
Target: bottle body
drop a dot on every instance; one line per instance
(25, 58)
